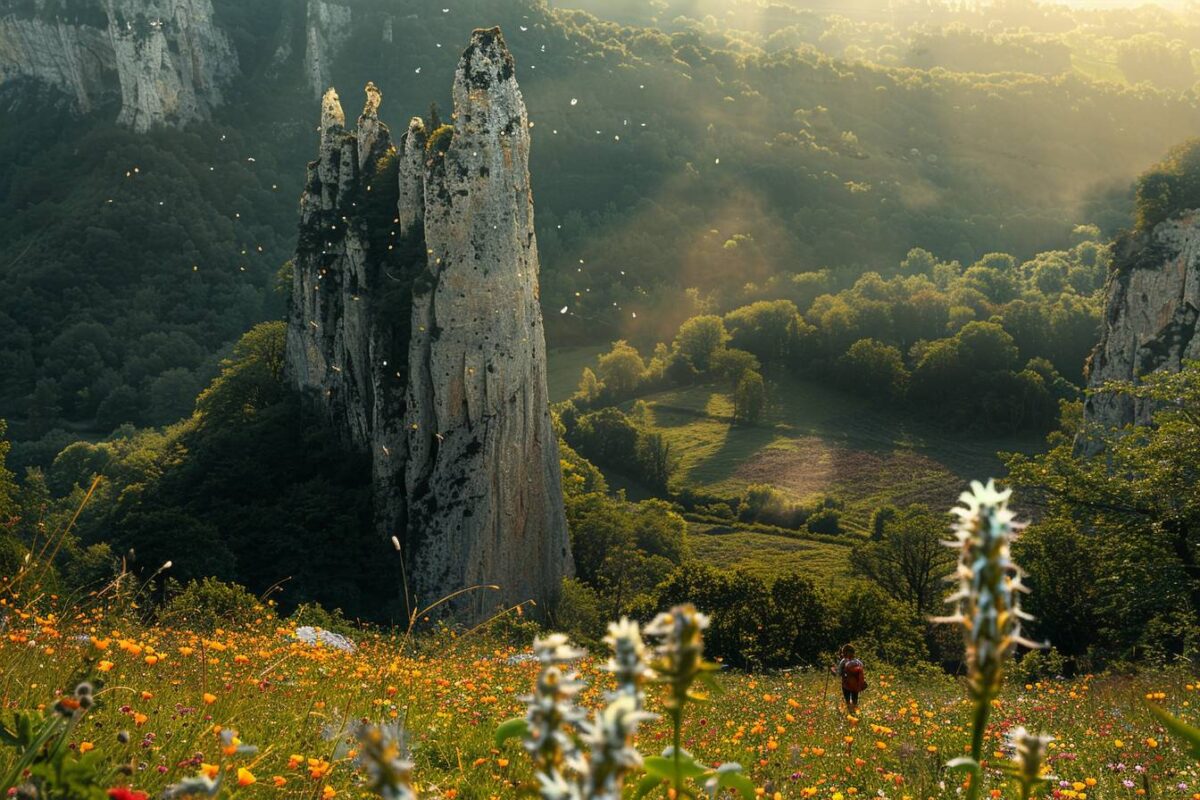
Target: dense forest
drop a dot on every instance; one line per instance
(697, 155)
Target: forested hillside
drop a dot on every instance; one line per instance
(703, 157)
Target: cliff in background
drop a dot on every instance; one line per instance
(1151, 309)
(415, 329)
(161, 61)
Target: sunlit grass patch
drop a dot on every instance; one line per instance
(815, 441)
(765, 555)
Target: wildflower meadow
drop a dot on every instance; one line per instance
(97, 704)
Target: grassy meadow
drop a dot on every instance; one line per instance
(564, 365)
(814, 440)
(163, 695)
(766, 555)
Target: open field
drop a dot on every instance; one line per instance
(766, 555)
(173, 692)
(814, 441)
(564, 365)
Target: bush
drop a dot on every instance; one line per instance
(754, 625)
(880, 521)
(610, 438)
(1037, 665)
(765, 503)
(209, 603)
(826, 520)
(882, 628)
(319, 617)
(578, 613)
(439, 141)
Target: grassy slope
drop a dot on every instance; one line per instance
(815, 440)
(766, 555)
(564, 366)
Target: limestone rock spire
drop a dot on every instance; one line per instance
(412, 176)
(416, 328)
(332, 115)
(374, 140)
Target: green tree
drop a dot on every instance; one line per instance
(918, 262)
(772, 330)
(621, 369)
(1128, 502)
(622, 550)
(909, 561)
(749, 398)
(875, 370)
(731, 364)
(172, 396)
(700, 338)
(876, 623)
(249, 381)
(1170, 186)
(995, 275)
(654, 460)
(987, 347)
(589, 387)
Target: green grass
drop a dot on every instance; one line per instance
(766, 555)
(786, 728)
(815, 440)
(564, 365)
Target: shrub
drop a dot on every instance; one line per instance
(578, 612)
(1039, 665)
(319, 617)
(439, 141)
(765, 503)
(880, 521)
(209, 603)
(826, 520)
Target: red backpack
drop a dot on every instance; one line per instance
(854, 679)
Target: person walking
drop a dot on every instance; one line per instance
(850, 669)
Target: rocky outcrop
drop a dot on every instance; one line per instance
(326, 30)
(165, 62)
(415, 328)
(1153, 300)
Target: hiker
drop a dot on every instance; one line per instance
(853, 676)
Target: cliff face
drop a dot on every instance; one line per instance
(326, 28)
(163, 61)
(1153, 300)
(416, 330)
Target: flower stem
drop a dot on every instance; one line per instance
(983, 709)
(676, 741)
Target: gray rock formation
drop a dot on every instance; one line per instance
(163, 61)
(326, 29)
(1153, 299)
(416, 330)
